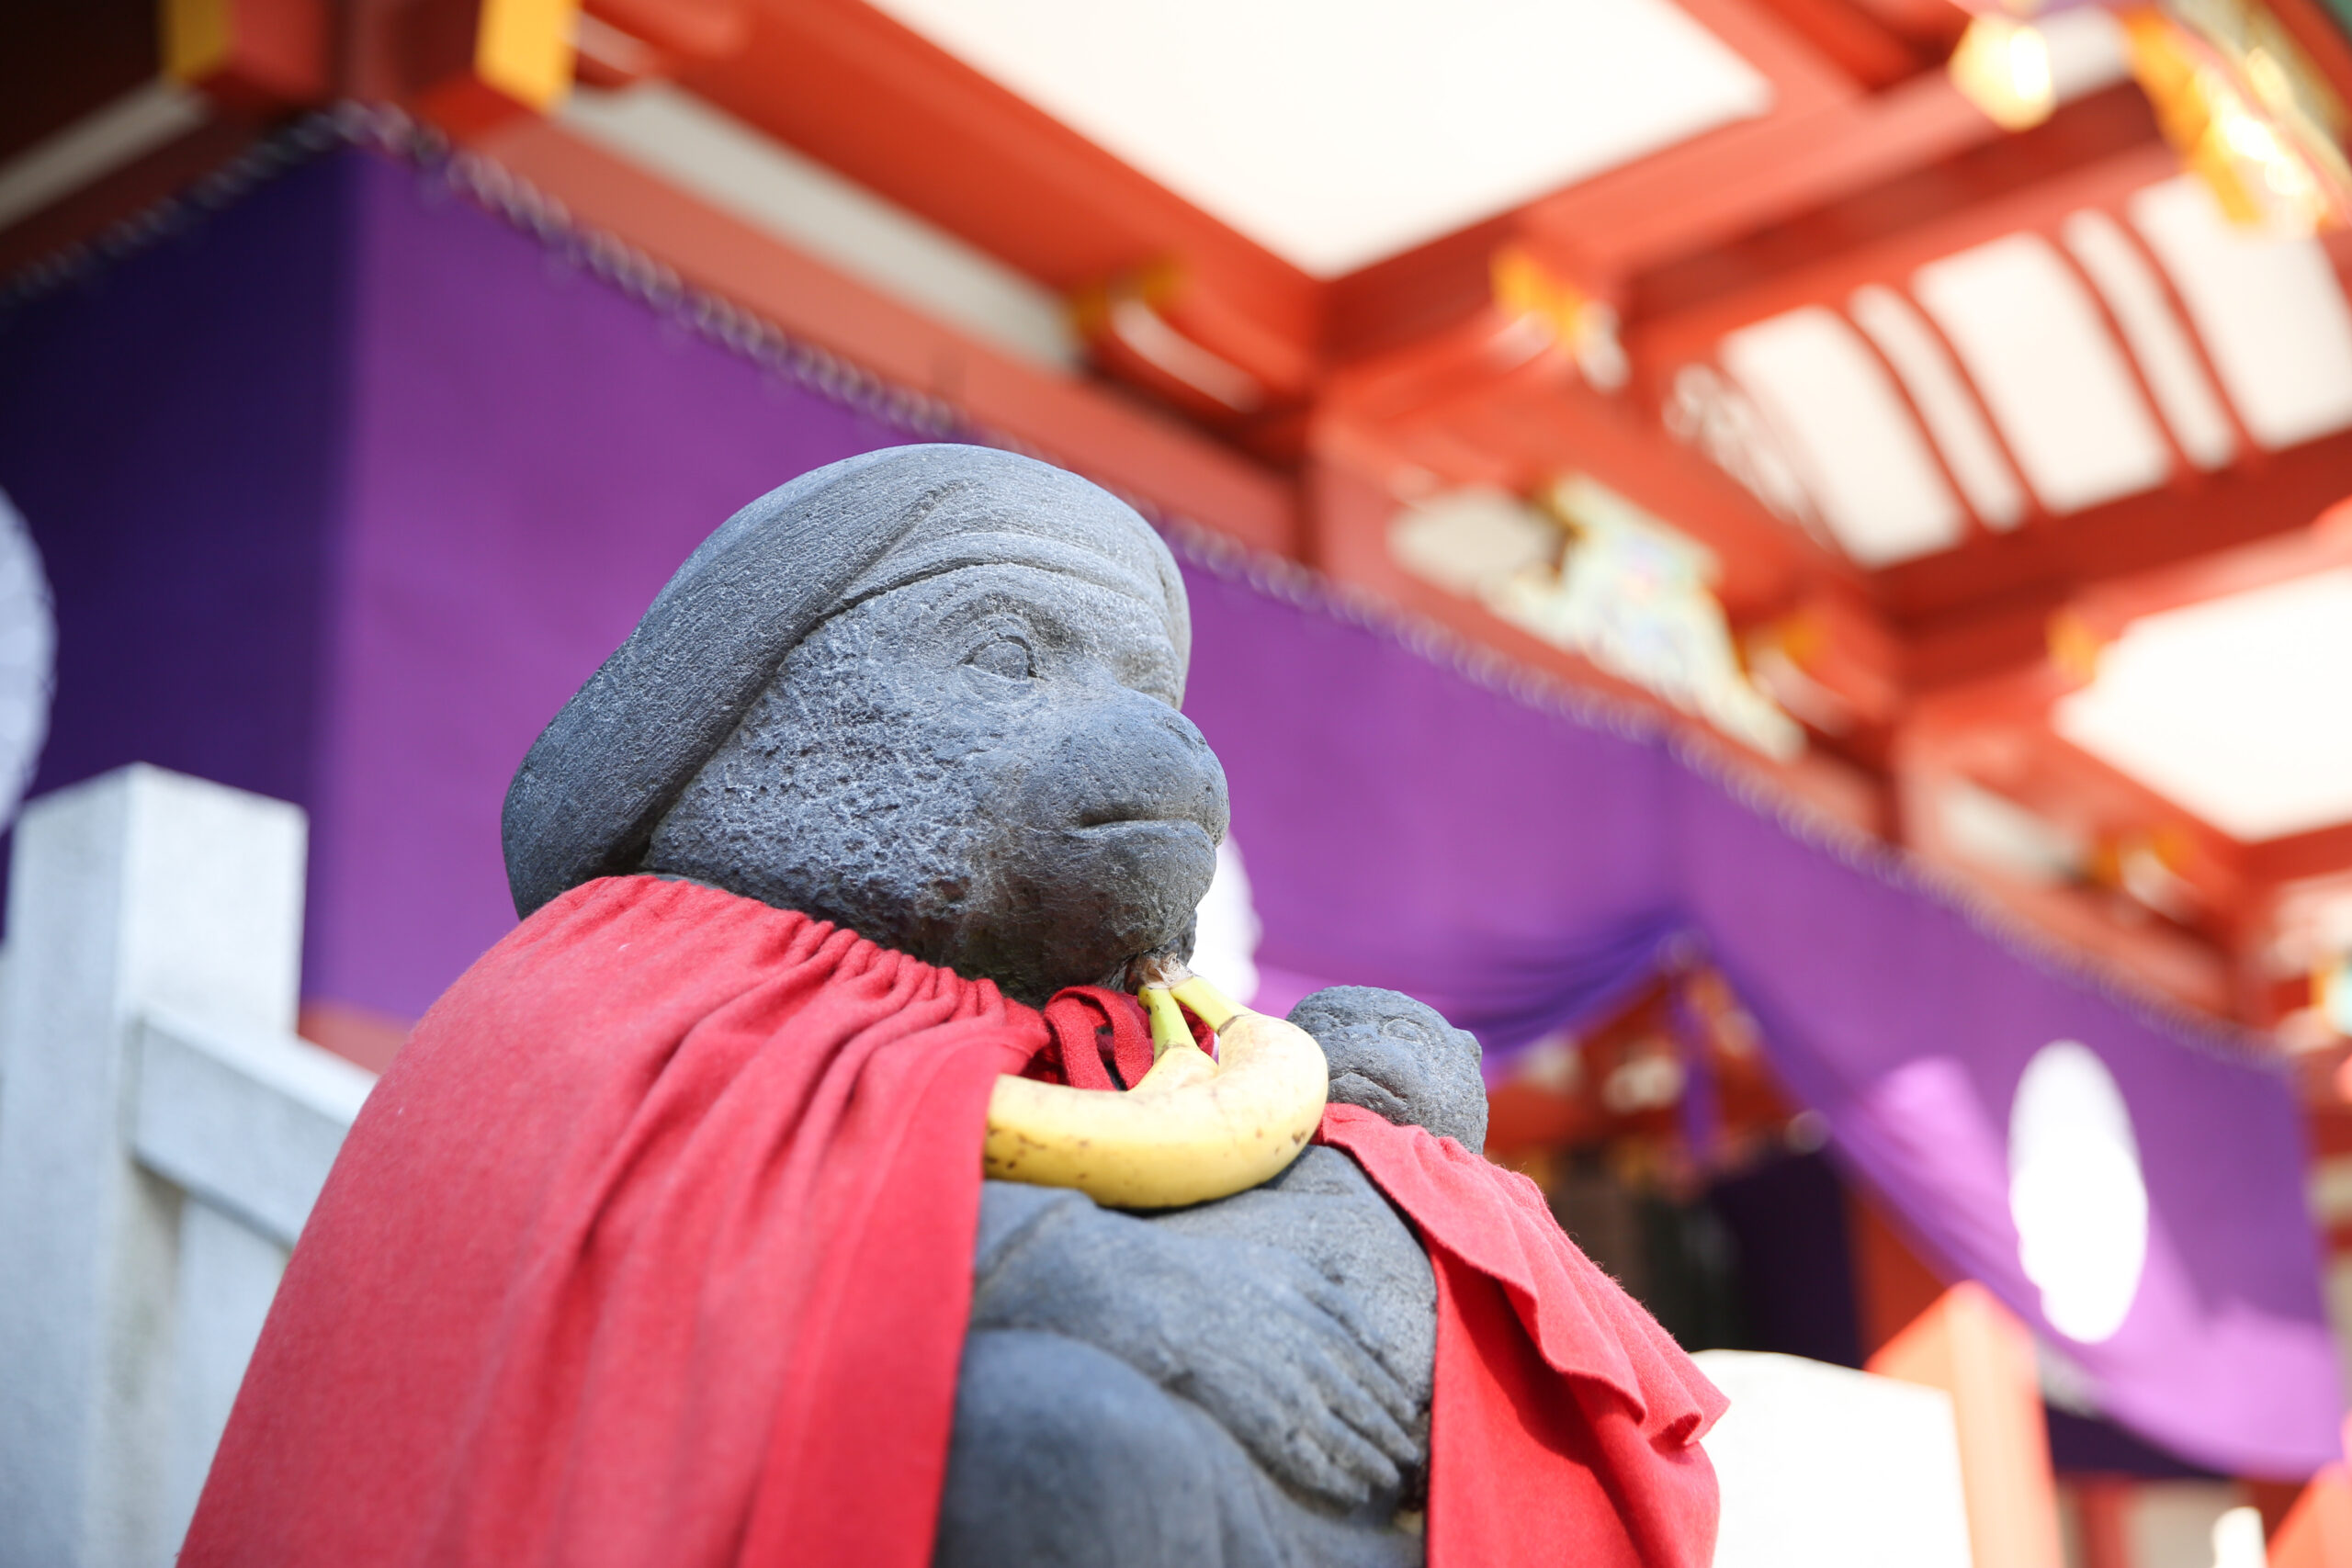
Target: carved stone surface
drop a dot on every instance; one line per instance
(1400, 1059)
(931, 693)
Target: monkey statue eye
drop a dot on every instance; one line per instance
(1008, 657)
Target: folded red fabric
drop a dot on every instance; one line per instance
(655, 1245)
(1566, 1423)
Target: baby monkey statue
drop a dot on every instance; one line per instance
(804, 1181)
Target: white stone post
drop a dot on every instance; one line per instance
(138, 891)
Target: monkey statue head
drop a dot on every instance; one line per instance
(930, 694)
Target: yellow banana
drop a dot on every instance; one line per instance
(1191, 1130)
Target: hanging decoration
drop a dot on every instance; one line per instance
(1594, 575)
(2002, 65)
(2247, 110)
(1584, 324)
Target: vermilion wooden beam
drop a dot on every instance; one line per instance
(2081, 134)
(1979, 607)
(2103, 1523)
(1893, 1287)
(1974, 1349)
(684, 30)
(1107, 437)
(1804, 75)
(1841, 162)
(1660, 345)
(1741, 177)
(2319, 852)
(1938, 601)
(1858, 43)
(131, 189)
(888, 108)
(869, 97)
(2318, 1530)
(468, 66)
(2104, 611)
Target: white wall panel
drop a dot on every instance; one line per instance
(1822, 1466)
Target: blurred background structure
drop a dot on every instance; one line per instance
(1788, 562)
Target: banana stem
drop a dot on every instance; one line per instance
(1207, 1003)
(1167, 1027)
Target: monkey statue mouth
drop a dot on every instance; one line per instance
(1171, 838)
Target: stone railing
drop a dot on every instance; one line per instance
(162, 1136)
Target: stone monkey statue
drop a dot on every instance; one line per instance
(667, 1239)
(953, 727)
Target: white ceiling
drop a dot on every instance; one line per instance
(2268, 309)
(2083, 357)
(1941, 398)
(2233, 708)
(2128, 283)
(2054, 379)
(673, 134)
(1336, 133)
(1841, 418)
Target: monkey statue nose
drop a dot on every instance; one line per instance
(1130, 759)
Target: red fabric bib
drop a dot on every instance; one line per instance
(654, 1247)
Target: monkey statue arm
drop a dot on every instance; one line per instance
(1255, 1337)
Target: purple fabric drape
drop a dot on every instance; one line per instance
(171, 429)
(1406, 827)
(531, 452)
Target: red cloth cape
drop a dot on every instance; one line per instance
(654, 1247)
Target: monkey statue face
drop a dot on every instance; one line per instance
(985, 768)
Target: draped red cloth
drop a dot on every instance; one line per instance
(654, 1247)
(1566, 1422)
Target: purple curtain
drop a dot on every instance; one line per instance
(533, 452)
(1516, 866)
(525, 453)
(171, 429)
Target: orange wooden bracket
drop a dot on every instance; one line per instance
(254, 55)
(472, 64)
(1976, 1350)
